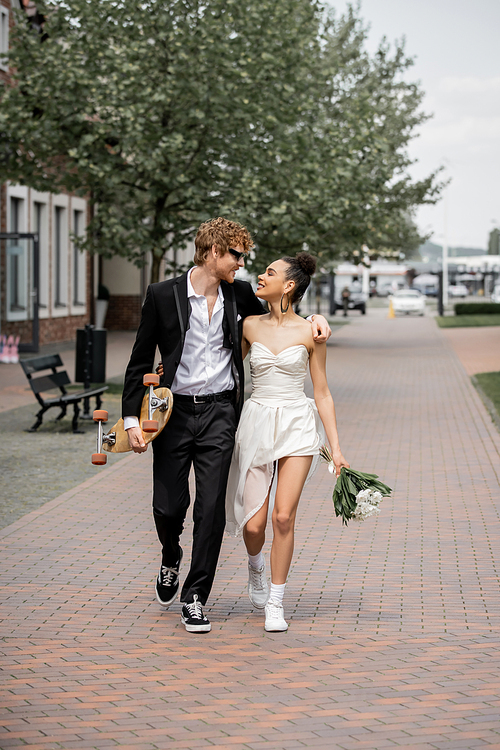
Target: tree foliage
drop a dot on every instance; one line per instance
(168, 113)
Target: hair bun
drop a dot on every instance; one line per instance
(307, 262)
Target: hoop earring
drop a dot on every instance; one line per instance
(287, 303)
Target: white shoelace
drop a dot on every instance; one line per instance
(194, 608)
(168, 575)
(256, 576)
(274, 611)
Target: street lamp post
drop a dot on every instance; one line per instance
(486, 277)
(365, 270)
(440, 305)
(445, 251)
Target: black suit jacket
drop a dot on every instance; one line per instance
(164, 322)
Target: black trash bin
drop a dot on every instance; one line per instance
(90, 363)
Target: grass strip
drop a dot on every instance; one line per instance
(488, 384)
(466, 321)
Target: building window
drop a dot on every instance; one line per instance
(4, 37)
(78, 262)
(39, 211)
(16, 265)
(59, 244)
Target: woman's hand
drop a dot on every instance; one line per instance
(159, 370)
(339, 462)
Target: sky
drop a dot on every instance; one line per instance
(455, 44)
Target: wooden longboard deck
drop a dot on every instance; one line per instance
(122, 445)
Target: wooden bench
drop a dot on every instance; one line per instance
(56, 380)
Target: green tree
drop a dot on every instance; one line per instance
(339, 179)
(149, 107)
(167, 113)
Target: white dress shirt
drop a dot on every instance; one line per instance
(205, 365)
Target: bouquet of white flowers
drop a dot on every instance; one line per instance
(356, 495)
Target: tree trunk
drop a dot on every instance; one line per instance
(155, 268)
(318, 295)
(91, 209)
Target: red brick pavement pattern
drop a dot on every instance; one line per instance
(477, 348)
(393, 638)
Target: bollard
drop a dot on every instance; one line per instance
(4, 350)
(391, 315)
(14, 350)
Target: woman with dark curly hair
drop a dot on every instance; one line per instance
(280, 432)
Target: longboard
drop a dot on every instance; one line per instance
(116, 440)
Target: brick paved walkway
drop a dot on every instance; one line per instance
(393, 638)
(478, 348)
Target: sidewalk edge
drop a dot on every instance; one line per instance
(482, 414)
(490, 406)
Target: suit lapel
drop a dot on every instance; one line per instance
(231, 315)
(182, 304)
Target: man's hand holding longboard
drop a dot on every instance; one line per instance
(156, 403)
(136, 440)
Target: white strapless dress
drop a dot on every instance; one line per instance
(277, 420)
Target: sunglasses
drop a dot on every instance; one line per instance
(236, 253)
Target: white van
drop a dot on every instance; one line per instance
(495, 297)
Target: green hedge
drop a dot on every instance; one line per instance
(477, 308)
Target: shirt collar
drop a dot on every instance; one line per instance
(192, 293)
(190, 290)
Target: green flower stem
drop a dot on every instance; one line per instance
(348, 485)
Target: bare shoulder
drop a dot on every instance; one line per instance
(251, 323)
(305, 330)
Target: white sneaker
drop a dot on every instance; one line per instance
(275, 618)
(258, 590)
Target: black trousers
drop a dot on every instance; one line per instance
(203, 435)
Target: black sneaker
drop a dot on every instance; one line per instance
(193, 619)
(167, 583)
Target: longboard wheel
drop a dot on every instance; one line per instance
(99, 459)
(150, 425)
(151, 379)
(100, 415)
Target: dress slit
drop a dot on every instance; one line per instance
(258, 477)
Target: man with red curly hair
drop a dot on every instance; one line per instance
(196, 321)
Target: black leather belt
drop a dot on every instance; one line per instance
(206, 398)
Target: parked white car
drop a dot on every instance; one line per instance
(495, 297)
(457, 290)
(385, 289)
(408, 301)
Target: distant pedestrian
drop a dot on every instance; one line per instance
(346, 296)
